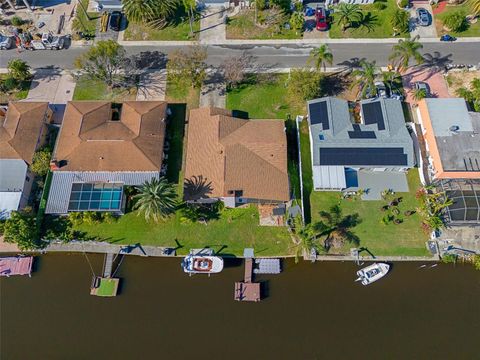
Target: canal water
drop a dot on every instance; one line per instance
(312, 311)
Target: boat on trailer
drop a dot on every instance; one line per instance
(202, 264)
(372, 273)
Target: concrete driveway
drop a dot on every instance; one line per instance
(435, 79)
(422, 31)
(55, 86)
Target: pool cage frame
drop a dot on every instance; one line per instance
(465, 194)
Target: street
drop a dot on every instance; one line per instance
(278, 56)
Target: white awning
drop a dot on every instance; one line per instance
(329, 177)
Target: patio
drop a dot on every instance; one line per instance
(374, 182)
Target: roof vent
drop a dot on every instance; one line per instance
(454, 128)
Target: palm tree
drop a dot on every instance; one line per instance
(405, 51)
(305, 239)
(321, 56)
(364, 78)
(419, 94)
(346, 14)
(156, 199)
(152, 12)
(189, 5)
(399, 21)
(392, 79)
(19, 70)
(337, 228)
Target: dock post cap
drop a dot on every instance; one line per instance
(248, 253)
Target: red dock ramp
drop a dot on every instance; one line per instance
(16, 265)
(247, 291)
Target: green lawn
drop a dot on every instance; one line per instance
(85, 23)
(379, 23)
(242, 26)
(182, 93)
(107, 287)
(470, 30)
(87, 89)
(274, 104)
(178, 29)
(405, 239)
(235, 230)
(307, 175)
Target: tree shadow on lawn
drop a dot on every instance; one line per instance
(336, 84)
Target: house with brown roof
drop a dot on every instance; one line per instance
(23, 130)
(235, 160)
(102, 147)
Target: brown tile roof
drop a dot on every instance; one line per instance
(90, 141)
(237, 154)
(21, 129)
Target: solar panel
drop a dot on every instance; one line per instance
(372, 114)
(363, 156)
(319, 114)
(96, 197)
(357, 133)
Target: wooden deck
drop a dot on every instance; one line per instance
(247, 291)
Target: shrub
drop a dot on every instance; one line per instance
(8, 84)
(21, 229)
(476, 262)
(449, 258)
(455, 21)
(400, 20)
(41, 162)
(76, 218)
(17, 21)
(305, 84)
(403, 3)
(379, 5)
(109, 217)
(91, 217)
(2, 226)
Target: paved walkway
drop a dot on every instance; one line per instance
(153, 85)
(54, 86)
(212, 25)
(214, 92)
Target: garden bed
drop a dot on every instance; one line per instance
(16, 95)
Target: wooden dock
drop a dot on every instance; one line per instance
(247, 290)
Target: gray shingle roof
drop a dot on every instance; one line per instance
(386, 131)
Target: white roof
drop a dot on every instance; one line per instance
(12, 174)
(9, 201)
(329, 177)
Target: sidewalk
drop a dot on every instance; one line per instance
(52, 85)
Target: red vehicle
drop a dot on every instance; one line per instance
(321, 18)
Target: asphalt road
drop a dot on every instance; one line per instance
(279, 56)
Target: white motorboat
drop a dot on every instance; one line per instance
(199, 264)
(372, 273)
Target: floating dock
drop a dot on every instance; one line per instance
(16, 265)
(267, 266)
(105, 285)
